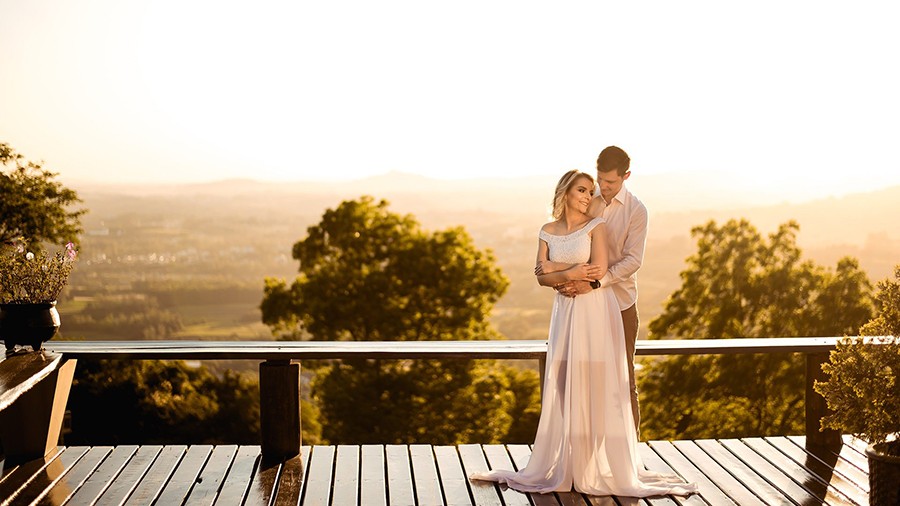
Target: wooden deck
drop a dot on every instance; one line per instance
(753, 471)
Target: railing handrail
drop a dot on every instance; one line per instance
(280, 371)
(503, 349)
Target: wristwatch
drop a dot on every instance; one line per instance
(595, 284)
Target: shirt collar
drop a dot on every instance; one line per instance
(622, 196)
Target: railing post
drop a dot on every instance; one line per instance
(816, 407)
(542, 366)
(279, 409)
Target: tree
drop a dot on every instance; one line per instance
(887, 320)
(368, 274)
(34, 206)
(738, 284)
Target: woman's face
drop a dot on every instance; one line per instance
(580, 194)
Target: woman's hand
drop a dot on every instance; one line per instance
(543, 267)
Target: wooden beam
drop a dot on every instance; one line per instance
(501, 349)
(816, 407)
(279, 409)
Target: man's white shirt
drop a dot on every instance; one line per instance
(626, 232)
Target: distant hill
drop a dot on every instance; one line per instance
(255, 223)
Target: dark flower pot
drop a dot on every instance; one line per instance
(28, 324)
(884, 473)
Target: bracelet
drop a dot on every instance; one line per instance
(595, 284)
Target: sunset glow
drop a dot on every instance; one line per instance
(800, 94)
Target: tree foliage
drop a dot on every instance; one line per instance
(167, 402)
(740, 284)
(863, 387)
(35, 207)
(367, 274)
(887, 300)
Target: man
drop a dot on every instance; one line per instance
(626, 230)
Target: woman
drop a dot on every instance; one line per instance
(586, 437)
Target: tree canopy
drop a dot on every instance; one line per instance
(35, 207)
(740, 284)
(370, 274)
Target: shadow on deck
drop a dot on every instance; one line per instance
(769, 470)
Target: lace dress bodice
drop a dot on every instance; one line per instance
(573, 248)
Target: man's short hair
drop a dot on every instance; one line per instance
(613, 158)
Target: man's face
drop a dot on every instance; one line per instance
(611, 183)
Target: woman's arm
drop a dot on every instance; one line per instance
(599, 252)
(567, 272)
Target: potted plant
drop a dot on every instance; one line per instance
(863, 392)
(29, 286)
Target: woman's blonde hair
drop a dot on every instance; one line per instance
(562, 188)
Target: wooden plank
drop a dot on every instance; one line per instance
(425, 477)
(852, 456)
(822, 467)
(655, 463)
(855, 443)
(206, 488)
(240, 475)
(185, 475)
(498, 458)
(842, 466)
(605, 501)
(453, 479)
(716, 473)
(346, 475)
(501, 349)
(98, 482)
(290, 482)
(772, 474)
(802, 476)
(264, 483)
(318, 479)
(299, 350)
(373, 485)
(473, 460)
(399, 476)
(744, 473)
(122, 485)
(520, 453)
(152, 483)
(16, 477)
(49, 475)
(70, 482)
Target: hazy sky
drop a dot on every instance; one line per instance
(798, 95)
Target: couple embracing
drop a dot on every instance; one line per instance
(587, 434)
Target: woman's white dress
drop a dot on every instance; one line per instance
(586, 437)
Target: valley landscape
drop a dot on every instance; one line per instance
(188, 261)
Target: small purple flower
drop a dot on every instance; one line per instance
(71, 252)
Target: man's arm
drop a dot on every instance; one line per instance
(633, 253)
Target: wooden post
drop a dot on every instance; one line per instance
(30, 426)
(816, 407)
(279, 409)
(542, 365)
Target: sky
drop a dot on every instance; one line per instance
(799, 96)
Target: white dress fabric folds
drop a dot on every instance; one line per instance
(586, 438)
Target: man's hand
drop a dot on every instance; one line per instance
(573, 288)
